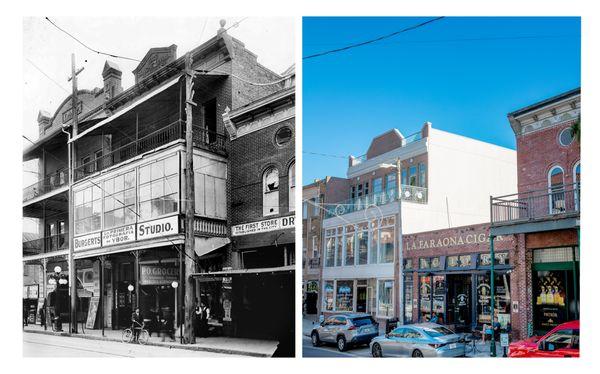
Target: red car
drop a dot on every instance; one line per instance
(561, 341)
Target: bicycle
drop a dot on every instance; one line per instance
(128, 335)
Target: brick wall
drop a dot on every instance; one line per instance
(539, 151)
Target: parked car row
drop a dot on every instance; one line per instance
(432, 340)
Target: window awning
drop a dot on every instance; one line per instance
(241, 272)
(203, 246)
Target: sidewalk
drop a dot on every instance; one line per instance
(237, 346)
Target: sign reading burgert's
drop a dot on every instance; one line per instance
(130, 233)
(263, 226)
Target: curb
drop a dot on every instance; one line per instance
(155, 344)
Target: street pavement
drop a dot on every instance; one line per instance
(41, 345)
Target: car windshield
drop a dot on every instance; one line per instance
(434, 332)
(362, 321)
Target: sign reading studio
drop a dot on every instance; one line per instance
(267, 225)
(130, 233)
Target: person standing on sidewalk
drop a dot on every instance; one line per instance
(204, 313)
(25, 322)
(136, 324)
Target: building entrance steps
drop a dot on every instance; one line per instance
(227, 345)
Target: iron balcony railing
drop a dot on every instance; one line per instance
(536, 205)
(45, 245)
(48, 184)
(202, 138)
(408, 193)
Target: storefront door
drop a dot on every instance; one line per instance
(459, 300)
(361, 299)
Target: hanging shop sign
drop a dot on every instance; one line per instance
(118, 235)
(88, 241)
(158, 228)
(267, 225)
(158, 274)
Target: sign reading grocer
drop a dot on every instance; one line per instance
(158, 274)
(158, 228)
(263, 226)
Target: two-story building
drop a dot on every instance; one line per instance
(404, 184)
(544, 214)
(129, 187)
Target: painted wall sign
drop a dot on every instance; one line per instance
(267, 225)
(87, 241)
(158, 274)
(450, 241)
(118, 235)
(158, 228)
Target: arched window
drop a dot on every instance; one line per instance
(292, 186)
(556, 182)
(577, 184)
(271, 192)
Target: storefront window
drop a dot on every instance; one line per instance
(502, 298)
(328, 295)
(425, 298)
(88, 210)
(461, 261)
(363, 244)
(439, 298)
(159, 188)
(119, 202)
(344, 296)
(408, 297)
(386, 246)
(385, 298)
(424, 263)
(349, 261)
(501, 259)
(408, 264)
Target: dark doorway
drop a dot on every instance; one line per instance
(459, 301)
(361, 299)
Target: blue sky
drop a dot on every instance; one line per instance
(462, 74)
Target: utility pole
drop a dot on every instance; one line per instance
(492, 296)
(71, 161)
(400, 249)
(189, 284)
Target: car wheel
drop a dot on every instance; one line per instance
(376, 351)
(341, 343)
(314, 338)
(417, 353)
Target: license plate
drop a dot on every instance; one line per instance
(453, 345)
(368, 330)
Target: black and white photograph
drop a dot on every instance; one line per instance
(159, 181)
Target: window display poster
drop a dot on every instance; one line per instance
(549, 299)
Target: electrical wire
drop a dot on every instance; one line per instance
(324, 154)
(371, 41)
(88, 47)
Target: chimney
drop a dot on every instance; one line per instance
(44, 121)
(112, 80)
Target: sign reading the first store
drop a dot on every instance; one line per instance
(267, 225)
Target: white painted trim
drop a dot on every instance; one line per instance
(410, 150)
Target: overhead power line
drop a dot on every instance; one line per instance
(383, 37)
(324, 154)
(88, 47)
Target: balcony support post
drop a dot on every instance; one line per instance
(44, 291)
(492, 296)
(400, 255)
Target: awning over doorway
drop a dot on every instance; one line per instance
(242, 272)
(204, 246)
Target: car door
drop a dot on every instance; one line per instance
(325, 330)
(395, 342)
(339, 327)
(561, 343)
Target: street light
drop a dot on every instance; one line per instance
(57, 269)
(130, 289)
(175, 284)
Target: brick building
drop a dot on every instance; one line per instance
(447, 275)
(403, 185)
(544, 214)
(129, 186)
(314, 196)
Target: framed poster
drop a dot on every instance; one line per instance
(92, 312)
